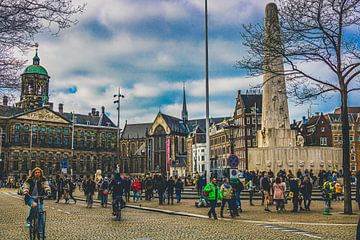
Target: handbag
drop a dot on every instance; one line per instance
(106, 192)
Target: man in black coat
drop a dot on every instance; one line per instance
(161, 187)
(59, 187)
(170, 190)
(306, 191)
(149, 186)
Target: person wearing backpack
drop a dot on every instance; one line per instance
(265, 189)
(214, 194)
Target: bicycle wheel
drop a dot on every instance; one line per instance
(118, 212)
(42, 215)
(33, 229)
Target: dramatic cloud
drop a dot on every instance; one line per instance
(148, 49)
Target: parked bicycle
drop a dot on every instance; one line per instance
(37, 224)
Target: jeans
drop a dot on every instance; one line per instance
(229, 202)
(212, 208)
(105, 199)
(89, 199)
(237, 199)
(295, 201)
(170, 197)
(178, 195)
(136, 196)
(307, 201)
(34, 210)
(251, 194)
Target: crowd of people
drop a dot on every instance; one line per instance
(275, 189)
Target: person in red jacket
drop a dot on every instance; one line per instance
(136, 187)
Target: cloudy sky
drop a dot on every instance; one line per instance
(148, 48)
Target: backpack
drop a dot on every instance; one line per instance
(206, 194)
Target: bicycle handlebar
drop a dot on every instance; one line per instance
(44, 196)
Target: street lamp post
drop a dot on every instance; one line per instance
(117, 101)
(230, 134)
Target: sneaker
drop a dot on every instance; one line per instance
(27, 225)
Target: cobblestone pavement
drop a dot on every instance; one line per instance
(257, 213)
(75, 221)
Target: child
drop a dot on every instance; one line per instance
(338, 191)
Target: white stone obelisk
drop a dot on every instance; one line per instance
(275, 111)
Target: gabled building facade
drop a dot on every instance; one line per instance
(33, 134)
(247, 119)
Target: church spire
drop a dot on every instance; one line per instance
(184, 112)
(36, 59)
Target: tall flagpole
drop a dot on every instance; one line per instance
(207, 165)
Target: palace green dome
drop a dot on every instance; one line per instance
(37, 69)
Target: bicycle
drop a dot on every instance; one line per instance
(119, 204)
(37, 230)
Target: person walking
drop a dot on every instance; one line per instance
(104, 187)
(226, 191)
(89, 189)
(307, 192)
(294, 191)
(328, 189)
(71, 188)
(279, 195)
(170, 184)
(149, 186)
(214, 194)
(265, 189)
(251, 188)
(127, 188)
(179, 187)
(136, 188)
(60, 188)
(161, 187)
(239, 187)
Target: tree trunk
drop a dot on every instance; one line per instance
(346, 152)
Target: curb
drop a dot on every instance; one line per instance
(169, 212)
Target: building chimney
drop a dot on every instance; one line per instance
(61, 108)
(93, 111)
(103, 110)
(5, 100)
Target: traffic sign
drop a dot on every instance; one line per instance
(234, 173)
(233, 160)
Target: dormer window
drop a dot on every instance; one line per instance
(107, 124)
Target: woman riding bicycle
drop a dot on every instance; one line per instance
(36, 185)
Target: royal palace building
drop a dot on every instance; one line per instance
(34, 134)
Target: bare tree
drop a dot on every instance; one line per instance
(321, 32)
(20, 21)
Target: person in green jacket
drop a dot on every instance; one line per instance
(213, 193)
(328, 189)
